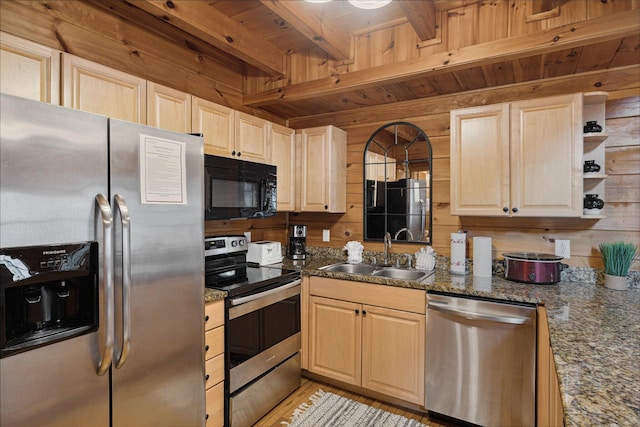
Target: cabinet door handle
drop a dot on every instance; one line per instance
(357, 311)
(206, 377)
(233, 153)
(515, 210)
(239, 154)
(505, 209)
(364, 312)
(206, 318)
(206, 348)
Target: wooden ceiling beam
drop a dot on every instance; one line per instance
(605, 80)
(314, 25)
(421, 14)
(587, 32)
(212, 26)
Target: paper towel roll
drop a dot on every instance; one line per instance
(458, 252)
(482, 257)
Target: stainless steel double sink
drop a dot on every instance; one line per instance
(378, 271)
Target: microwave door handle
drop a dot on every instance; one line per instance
(106, 218)
(121, 205)
(264, 197)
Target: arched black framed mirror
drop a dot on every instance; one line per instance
(397, 184)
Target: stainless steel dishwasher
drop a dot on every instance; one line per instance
(480, 361)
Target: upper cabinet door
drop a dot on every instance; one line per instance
(322, 170)
(29, 70)
(92, 87)
(168, 108)
(217, 124)
(252, 138)
(283, 156)
(518, 159)
(480, 160)
(546, 156)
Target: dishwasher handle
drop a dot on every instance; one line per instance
(443, 307)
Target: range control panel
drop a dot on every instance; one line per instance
(224, 245)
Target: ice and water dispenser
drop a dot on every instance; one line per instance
(47, 294)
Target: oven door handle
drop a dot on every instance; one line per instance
(248, 298)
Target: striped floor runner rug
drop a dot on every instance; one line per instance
(328, 409)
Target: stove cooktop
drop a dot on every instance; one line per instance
(258, 279)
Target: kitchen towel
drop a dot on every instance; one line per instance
(458, 253)
(482, 256)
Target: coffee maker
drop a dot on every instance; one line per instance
(297, 242)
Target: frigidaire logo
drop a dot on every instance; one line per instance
(56, 252)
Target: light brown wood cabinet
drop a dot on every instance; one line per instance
(368, 335)
(550, 411)
(283, 156)
(217, 124)
(230, 133)
(168, 108)
(214, 362)
(518, 159)
(29, 70)
(252, 141)
(321, 162)
(94, 88)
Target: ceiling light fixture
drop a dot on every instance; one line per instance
(369, 4)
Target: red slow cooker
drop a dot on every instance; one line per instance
(530, 267)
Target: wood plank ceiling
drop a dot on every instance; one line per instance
(259, 34)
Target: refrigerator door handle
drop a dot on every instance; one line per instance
(107, 267)
(121, 206)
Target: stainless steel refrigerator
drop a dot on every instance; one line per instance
(69, 176)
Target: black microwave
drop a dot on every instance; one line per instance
(238, 189)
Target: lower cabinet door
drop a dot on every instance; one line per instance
(215, 405)
(393, 353)
(334, 339)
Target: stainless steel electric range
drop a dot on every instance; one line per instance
(262, 329)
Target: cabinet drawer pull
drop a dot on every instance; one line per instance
(206, 348)
(206, 377)
(206, 318)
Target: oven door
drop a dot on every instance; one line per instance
(262, 331)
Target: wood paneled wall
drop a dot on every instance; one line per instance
(508, 234)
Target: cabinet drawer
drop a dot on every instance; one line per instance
(213, 342)
(215, 406)
(213, 315)
(214, 370)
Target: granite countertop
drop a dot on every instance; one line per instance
(211, 295)
(594, 332)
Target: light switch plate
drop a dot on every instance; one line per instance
(563, 248)
(325, 235)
